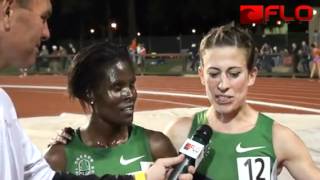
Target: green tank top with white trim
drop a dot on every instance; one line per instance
(126, 158)
(243, 156)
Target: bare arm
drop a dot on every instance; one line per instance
(179, 130)
(160, 145)
(293, 154)
(56, 157)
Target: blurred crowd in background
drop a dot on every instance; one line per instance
(299, 58)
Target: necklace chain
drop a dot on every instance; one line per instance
(112, 144)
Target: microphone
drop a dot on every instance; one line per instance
(193, 149)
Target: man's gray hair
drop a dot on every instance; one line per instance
(22, 3)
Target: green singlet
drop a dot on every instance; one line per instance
(125, 158)
(241, 156)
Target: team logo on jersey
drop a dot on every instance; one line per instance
(125, 162)
(240, 149)
(84, 165)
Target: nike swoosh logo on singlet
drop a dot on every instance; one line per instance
(129, 161)
(240, 149)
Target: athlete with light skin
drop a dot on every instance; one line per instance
(103, 80)
(245, 143)
(23, 25)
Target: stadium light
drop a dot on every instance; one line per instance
(92, 31)
(138, 34)
(54, 47)
(193, 31)
(113, 25)
(315, 12)
(279, 22)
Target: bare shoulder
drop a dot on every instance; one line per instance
(178, 130)
(282, 132)
(56, 157)
(283, 140)
(160, 145)
(292, 153)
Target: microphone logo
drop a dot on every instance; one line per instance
(192, 148)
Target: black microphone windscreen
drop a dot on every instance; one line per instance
(193, 149)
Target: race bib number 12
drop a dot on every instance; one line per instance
(254, 168)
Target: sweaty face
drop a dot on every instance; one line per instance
(226, 78)
(28, 27)
(115, 99)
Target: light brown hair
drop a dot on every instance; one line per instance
(228, 35)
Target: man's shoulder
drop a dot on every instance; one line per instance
(3, 95)
(5, 100)
(7, 110)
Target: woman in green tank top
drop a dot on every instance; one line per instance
(245, 145)
(103, 80)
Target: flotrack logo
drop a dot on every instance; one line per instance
(261, 14)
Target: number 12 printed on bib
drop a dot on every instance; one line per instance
(254, 168)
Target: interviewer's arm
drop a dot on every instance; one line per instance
(64, 176)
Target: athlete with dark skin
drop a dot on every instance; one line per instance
(23, 25)
(103, 79)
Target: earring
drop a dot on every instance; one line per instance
(7, 20)
(7, 27)
(92, 102)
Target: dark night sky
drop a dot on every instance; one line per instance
(74, 18)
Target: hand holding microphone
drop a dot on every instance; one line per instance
(193, 149)
(162, 167)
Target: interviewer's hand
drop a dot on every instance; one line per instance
(162, 168)
(64, 136)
